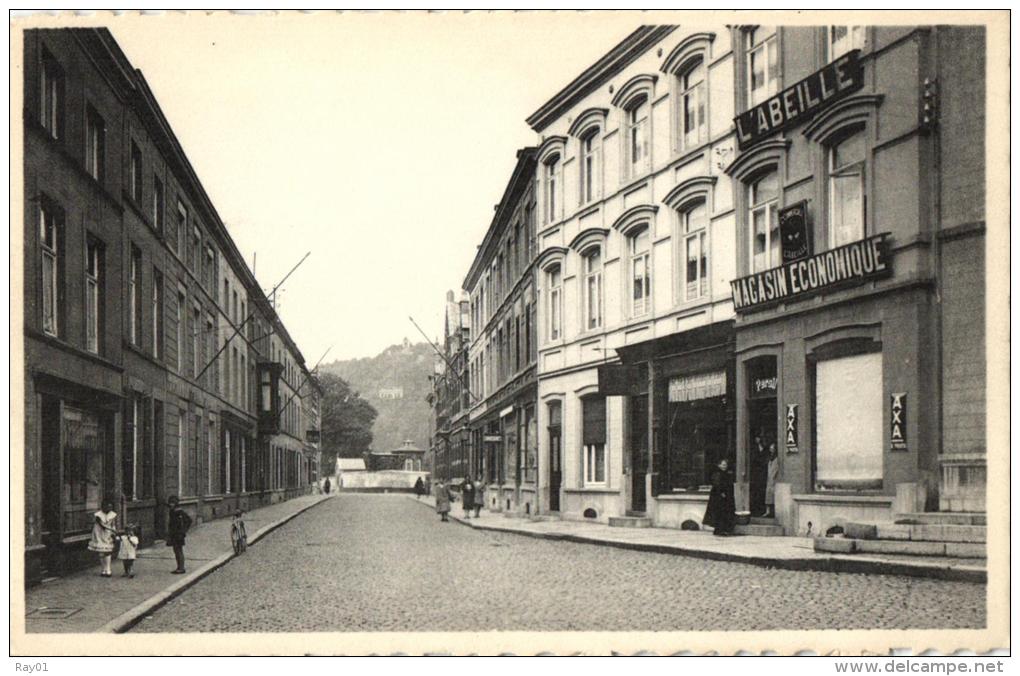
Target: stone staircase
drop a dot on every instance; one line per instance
(760, 525)
(948, 534)
(631, 520)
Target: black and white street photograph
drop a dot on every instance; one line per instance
(491, 332)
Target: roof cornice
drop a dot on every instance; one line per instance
(618, 58)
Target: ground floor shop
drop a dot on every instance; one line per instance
(504, 442)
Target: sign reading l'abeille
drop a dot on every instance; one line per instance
(848, 264)
(797, 103)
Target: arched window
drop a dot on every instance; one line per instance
(551, 181)
(692, 105)
(846, 160)
(592, 288)
(554, 300)
(694, 234)
(591, 162)
(762, 63)
(763, 220)
(637, 136)
(640, 272)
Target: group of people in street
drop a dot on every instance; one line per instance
(108, 540)
(472, 497)
(721, 514)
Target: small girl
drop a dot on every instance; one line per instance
(128, 550)
(103, 531)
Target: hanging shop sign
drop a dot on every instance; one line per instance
(700, 386)
(851, 263)
(791, 428)
(794, 232)
(799, 102)
(898, 421)
(492, 438)
(622, 380)
(313, 436)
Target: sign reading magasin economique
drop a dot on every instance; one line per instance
(850, 263)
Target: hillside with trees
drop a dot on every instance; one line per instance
(395, 383)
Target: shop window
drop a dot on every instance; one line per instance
(637, 136)
(84, 441)
(95, 144)
(692, 105)
(843, 39)
(529, 462)
(555, 299)
(640, 272)
(848, 422)
(93, 294)
(762, 63)
(697, 434)
(591, 161)
(593, 439)
(694, 232)
(51, 246)
(551, 170)
(51, 96)
(592, 288)
(846, 189)
(763, 221)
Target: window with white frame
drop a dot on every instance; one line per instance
(95, 144)
(179, 317)
(640, 271)
(555, 296)
(51, 93)
(157, 314)
(692, 105)
(763, 220)
(762, 49)
(552, 178)
(694, 233)
(591, 163)
(93, 268)
(843, 39)
(135, 297)
(196, 332)
(846, 189)
(593, 439)
(637, 136)
(592, 259)
(49, 240)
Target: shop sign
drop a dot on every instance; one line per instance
(791, 428)
(622, 380)
(701, 386)
(764, 388)
(851, 263)
(799, 102)
(898, 421)
(794, 232)
(492, 438)
(312, 436)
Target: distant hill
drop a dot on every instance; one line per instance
(395, 382)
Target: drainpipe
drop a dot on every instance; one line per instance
(936, 188)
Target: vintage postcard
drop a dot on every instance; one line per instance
(509, 332)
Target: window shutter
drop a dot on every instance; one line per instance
(594, 417)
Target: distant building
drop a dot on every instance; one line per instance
(407, 457)
(391, 393)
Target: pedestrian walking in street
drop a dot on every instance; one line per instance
(721, 511)
(327, 486)
(127, 552)
(442, 495)
(770, 482)
(104, 530)
(419, 488)
(467, 495)
(179, 523)
(479, 498)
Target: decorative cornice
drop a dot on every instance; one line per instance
(643, 82)
(547, 256)
(851, 110)
(758, 157)
(691, 45)
(618, 58)
(586, 236)
(551, 145)
(688, 190)
(636, 215)
(586, 119)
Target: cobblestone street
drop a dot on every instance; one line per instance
(383, 563)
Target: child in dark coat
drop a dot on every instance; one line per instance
(179, 523)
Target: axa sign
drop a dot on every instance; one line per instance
(797, 103)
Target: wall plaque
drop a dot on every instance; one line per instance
(898, 421)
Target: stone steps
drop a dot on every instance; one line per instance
(943, 518)
(765, 529)
(840, 545)
(916, 532)
(630, 521)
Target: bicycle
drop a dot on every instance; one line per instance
(238, 533)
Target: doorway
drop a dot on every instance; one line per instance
(762, 440)
(638, 452)
(555, 455)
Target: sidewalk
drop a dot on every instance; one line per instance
(791, 553)
(114, 604)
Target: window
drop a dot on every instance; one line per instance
(209, 273)
(244, 383)
(225, 464)
(764, 222)
(195, 251)
(136, 173)
(182, 230)
(196, 332)
(93, 285)
(181, 464)
(131, 455)
(843, 39)
(591, 160)
(49, 235)
(157, 314)
(762, 64)
(84, 442)
(212, 375)
(849, 422)
(692, 106)
(179, 325)
(51, 96)
(157, 204)
(593, 415)
(552, 173)
(593, 288)
(95, 144)
(693, 226)
(640, 272)
(135, 297)
(210, 484)
(637, 136)
(846, 189)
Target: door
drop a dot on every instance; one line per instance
(555, 456)
(638, 452)
(761, 437)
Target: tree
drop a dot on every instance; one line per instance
(347, 420)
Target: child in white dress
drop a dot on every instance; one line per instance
(128, 550)
(104, 529)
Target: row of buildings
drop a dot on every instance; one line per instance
(154, 362)
(729, 242)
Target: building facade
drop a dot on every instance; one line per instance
(141, 320)
(502, 351)
(449, 455)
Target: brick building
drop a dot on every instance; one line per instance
(155, 364)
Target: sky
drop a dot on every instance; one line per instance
(378, 142)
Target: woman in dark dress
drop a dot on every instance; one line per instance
(467, 494)
(721, 512)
